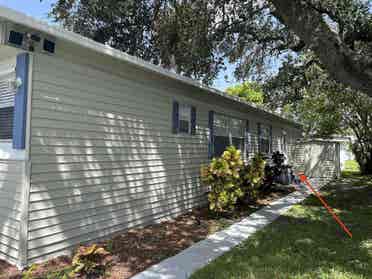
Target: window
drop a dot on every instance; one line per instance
(264, 138)
(49, 46)
(7, 95)
(283, 142)
(227, 131)
(184, 119)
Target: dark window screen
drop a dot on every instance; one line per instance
(184, 126)
(16, 38)
(265, 146)
(49, 46)
(6, 122)
(238, 143)
(220, 145)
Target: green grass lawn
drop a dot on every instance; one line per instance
(306, 242)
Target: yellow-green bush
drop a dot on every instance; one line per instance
(91, 261)
(223, 176)
(253, 176)
(231, 181)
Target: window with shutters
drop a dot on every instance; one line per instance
(265, 139)
(183, 118)
(227, 131)
(7, 95)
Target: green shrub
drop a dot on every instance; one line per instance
(91, 261)
(253, 176)
(223, 176)
(28, 274)
(351, 168)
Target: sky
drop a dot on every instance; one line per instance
(40, 10)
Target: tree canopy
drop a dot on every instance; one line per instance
(248, 91)
(196, 37)
(306, 93)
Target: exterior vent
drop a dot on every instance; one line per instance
(15, 38)
(29, 40)
(49, 46)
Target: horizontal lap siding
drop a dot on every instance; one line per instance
(11, 182)
(103, 156)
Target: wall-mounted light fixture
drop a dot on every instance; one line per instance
(16, 83)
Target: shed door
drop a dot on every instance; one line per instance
(7, 95)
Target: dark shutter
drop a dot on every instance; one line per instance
(175, 117)
(20, 103)
(246, 140)
(259, 136)
(211, 134)
(193, 121)
(6, 122)
(271, 140)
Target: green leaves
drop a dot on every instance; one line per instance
(248, 91)
(223, 177)
(230, 180)
(91, 261)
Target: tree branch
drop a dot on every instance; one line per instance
(342, 63)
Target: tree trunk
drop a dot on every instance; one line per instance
(364, 159)
(343, 64)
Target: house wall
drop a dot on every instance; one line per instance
(11, 182)
(103, 155)
(12, 170)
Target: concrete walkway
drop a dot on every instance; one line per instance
(182, 265)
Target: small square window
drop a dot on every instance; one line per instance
(49, 46)
(185, 119)
(15, 38)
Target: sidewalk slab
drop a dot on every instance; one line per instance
(182, 265)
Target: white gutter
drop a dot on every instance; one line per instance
(62, 34)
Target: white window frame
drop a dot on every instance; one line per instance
(7, 79)
(265, 135)
(284, 141)
(181, 117)
(227, 121)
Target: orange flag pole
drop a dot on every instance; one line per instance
(304, 179)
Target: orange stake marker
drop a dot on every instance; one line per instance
(303, 178)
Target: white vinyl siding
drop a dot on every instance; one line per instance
(104, 158)
(11, 182)
(11, 171)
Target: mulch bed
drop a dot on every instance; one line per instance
(138, 249)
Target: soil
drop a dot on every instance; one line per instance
(137, 249)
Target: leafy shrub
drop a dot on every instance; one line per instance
(41, 271)
(253, 176)
(223, 176)
(277, 171)
(28, 274)
(278, 162)
(91, 261)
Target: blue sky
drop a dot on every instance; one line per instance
(33, 7)
(40, 11)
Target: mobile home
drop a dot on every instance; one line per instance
(94, 141)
